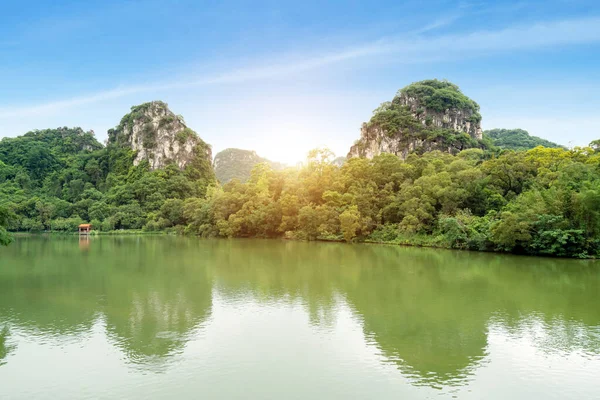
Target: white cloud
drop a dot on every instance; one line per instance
(415, 49)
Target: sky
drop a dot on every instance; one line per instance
(283, 77)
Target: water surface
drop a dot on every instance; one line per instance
(172, 317)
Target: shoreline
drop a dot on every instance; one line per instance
(404, 243)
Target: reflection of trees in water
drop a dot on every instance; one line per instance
(46, 289)
(398, 304)
(434, 329)
(428, 311)
(152, 292)
(5, 346)
(279, 271)
(156, 297)
(431, 311)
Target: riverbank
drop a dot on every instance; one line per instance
(128, 232)
(415, 240)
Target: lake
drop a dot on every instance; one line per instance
(183, 318)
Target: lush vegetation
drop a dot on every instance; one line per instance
(237, 164)
(5, 236)
(440, 96)
(543, 201)
(53, 180)
(415, 128)
(516, 139)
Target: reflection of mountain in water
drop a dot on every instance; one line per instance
(398, 302)
(398, 298)
(432, 327)
(149, 299)
(159, 295)
(428, 311)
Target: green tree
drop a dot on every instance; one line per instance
(350, 223)
(5, 236)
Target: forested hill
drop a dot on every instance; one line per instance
(423, 116)
(237, 164)
(35, 159)
(55, 179)
(39, 153)
(516, 139)
(159, 137)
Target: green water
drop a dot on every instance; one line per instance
(180, 318)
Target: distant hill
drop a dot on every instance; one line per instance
(517, 139)
(339, 161)
(238, 163)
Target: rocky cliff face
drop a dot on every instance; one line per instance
(159, 136)
(237, 164)
(457, 119)
(425, 116)
(374, 140)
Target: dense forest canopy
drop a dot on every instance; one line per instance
(516, 139)
(5, 236)
(543, 201)
(439, 96)
(57, 179)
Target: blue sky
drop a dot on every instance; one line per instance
(284, 77)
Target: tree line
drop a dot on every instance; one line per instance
(544, 201)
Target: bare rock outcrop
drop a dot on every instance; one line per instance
(160, 137)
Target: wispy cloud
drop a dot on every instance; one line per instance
(556, 33)
(413, 49)
(233, 76)
(439, 23)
